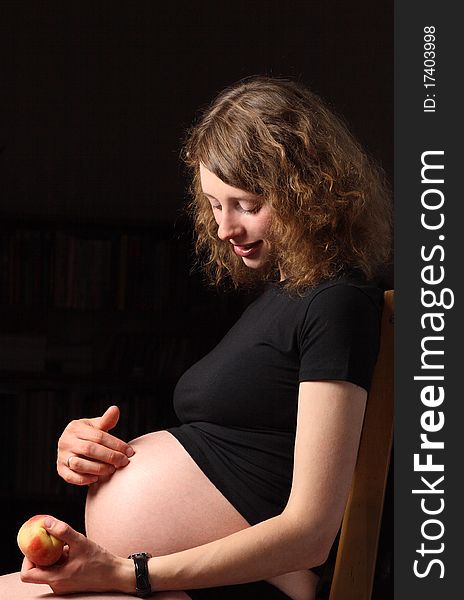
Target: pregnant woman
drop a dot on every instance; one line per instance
(244, 499)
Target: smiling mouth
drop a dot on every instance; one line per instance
(247, 249)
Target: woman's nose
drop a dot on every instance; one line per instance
(229, 226)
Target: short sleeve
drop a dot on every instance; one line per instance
(339, 339)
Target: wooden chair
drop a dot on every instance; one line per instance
(356, 556)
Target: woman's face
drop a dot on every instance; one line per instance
(243, 219)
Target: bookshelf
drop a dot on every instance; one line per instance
(91, 314)
(90, 265)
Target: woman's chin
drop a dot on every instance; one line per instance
(253, 263)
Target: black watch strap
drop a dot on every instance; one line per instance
(142, 578)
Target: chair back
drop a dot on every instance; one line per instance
(356, 557)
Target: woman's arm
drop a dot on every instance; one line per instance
(330, 416)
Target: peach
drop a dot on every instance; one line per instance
(39, 546)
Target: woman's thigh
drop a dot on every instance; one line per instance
(12, 588)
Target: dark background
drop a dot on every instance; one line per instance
(96, 98)
(97, 95)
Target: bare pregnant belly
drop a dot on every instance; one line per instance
(162, 503)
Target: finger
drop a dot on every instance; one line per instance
(109, 418)
(63, 531)
(27, 564)
(99, 452)
(93, 444)
(30, 573)
(102, 438)
(79, 464)
(76, 478)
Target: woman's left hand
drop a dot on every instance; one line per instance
(83, 567)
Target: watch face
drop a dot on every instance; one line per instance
(140, 555)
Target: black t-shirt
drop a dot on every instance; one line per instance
(238, 404)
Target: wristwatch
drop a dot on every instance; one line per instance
(142, 579)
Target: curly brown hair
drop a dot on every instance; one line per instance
(331, 205)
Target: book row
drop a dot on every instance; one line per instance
(33, 421)
(71, 270)
(145, 356)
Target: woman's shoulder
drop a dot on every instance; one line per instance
(348, 299)
(350, 289)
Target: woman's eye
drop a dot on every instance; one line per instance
(240, 208)
(250, 211)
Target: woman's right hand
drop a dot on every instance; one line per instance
(87, 452)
